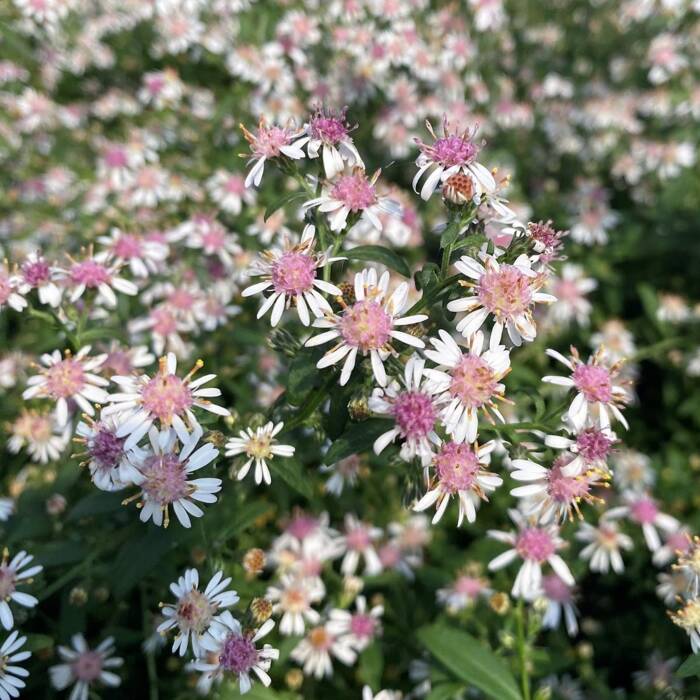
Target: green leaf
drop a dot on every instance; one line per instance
(427, 277)
(444, 691)
(60, 553)
(371, 666)
(690, 667)
(380, 254)
(138, 557)
(470, 661)
(282, 202)
(359, 438)
(242, 519)
(292, 473)
(37, 642)
(95, 504)
(303, 376)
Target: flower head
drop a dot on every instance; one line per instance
(13, 575)
(11, 674)
(259, 446)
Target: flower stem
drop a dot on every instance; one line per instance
(522, 649)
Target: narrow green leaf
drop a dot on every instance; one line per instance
(444, 691)
(470, 661)
(38, 642)
(380, 254)
(292, 473)
(690, 667)
(371, 666)
(281, 202)
(96, 504)
(242, 519)
(139, 557)
(358, 438)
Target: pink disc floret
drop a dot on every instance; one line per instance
(239, 654)
(90, 273)
(64, 379)
(535, 544)
(644, 511)
(366, 325)
(506, 292)
(166, 396)
(88, 666)
(414, 413)
(294, 273)
(165, 479)
(594, 382)
(473, 381)
(355, 191)
(457, 466)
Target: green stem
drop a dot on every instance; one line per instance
(522, 649)
(312, 401)
(446, 255)
(150, 659)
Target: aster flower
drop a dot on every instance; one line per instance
(40, 433)
(546, 240)
(85, 668)
(11, 289)
(229, 191)
(194, 610)
(534, 545)
(359, 628)
(591, 447)
(37, 273)
(633, 470)
(353, 194)
(164, 481)
(293, 599)
(144, 256)
(270, 142)
(508, 292)
(560, 604)
(329, 136)
(459, 471)
(451, 154)
(597, 393)
(368, 326)
(357, 541)
(290, 273)
(259, 446)
(12, 675)
(345, 470)
(232, 652)
(14, 573)
(555, 494)
(678, 545)
(465, 590)
(414, 411)
(604, 543)
(204, 233)
(314, 652)
(643, 510)
(165, 398)
(69, 377)
(688, 619)
(467, 383)
(570, 290)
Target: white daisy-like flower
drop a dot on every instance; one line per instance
(604, 543)
(232, 651)
(329, 136)
(367, 327)
(41, 434)
(467, 383)
(290, 273)
(360, 627)
(367, 694)
(269, 142)
(259, 446)
(293, 599)
(458, 470)
(14, 573)
(633, 471)
(85, 668)
(143, 255)
(314, 652)
(643, 510)
(69, 377)
(414, 411)
(165, 398)
(535, 545)
(163, 478)
(194, 610)
(570, 290)
(560, 604)
(688, 618)
(465, 590)
(508, 292)
(112, 466)
(11, 289)
(357, 541)
(353, 194)
(591, 447)
(449, 155)
(11, 675)
(203, 232)
(37, 273)
(598, 394)
(229, 191)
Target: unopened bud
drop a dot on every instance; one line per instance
(358, 408)
(294, 678)
(254, 561)
(458, 189)
(78, 597)
(55, 504)
(500, 603)
(261, 610)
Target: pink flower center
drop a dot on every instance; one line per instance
(545, 235)
(457, 466)
(164, 322)
(679, 542)
(302, 526)
(166, 396)
(363, 626)
(389, 555)
(593, 445)
(106, 448)
(358, 539)
(7, 582)
(165, 479)
(181, 299)
(235, 185)
(354, 191)
(119, 362)
(555, 589)
(535, 544)
(155, 83)
(565, 489)
(594, 382)
(88, 666)
(127, 246)
(116, 158)
(469, 586)
(506, 293)
(566, 290)
(366, 325)
(194, 612)
(90, 273)
(329, 128)
(36, 273)
(5, 288)
(453, 150)
(64, 379)
(644, 511)
(239, 654)
(269, 141)
(293, 273)
(414, 413)
(473, 381)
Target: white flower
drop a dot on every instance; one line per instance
(570, 290)
(604, 545)
(84, 668)
(560, 603)
(509, 292)
(367, 327)
(467, 383)
(290, 273)
(12, 675)
(144, 256)
(11, 289)
(643, 510)
(329, 135)
(229, 191)
(293, 598)
(358, 542)
(464, 591)
(14, 573)
(535, 545)
(69, 377)
(360, 628)
(315, 650)
(38, 274)
(194, 611)
(259, 446)
(163, 478)
(230, 650)
(43, 436)
(591, 447)
(413, 410)
(165, 398)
